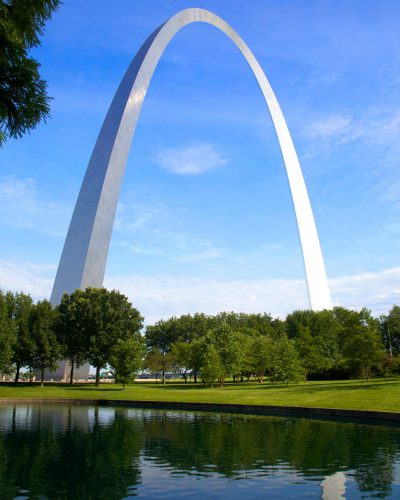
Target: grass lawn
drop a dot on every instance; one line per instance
(378, 394)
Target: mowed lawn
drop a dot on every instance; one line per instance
(378, 394)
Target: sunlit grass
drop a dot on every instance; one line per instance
(378, 394)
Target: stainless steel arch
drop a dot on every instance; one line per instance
(84, 256)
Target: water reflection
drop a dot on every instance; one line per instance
(84, 452)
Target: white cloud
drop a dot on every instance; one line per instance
(35, 279)
(23, 206)
(340, 128)
(191, 160)
(375, 127)
(163, 296)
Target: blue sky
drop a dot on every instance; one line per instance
(205, 220)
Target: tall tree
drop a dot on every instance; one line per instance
(106, 317)
(7, 331)
(262, 348)
(316, 334)
(70, 329)
(24, 348)
(23, 93)
(285, 362)
(47, 349)
(364, 350)
(390, 330)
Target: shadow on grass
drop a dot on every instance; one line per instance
(306, 387)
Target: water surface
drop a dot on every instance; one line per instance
(86, 452)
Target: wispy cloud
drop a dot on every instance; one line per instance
(374, 127)
(191, 160)
(162, 296)
(23, 206)
(27, 277)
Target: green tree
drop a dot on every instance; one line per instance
(159, 362)
(7, 331)
(71, 329)
(47, 349)
(285, 362)
(228, 347)
(24, 348)
(212, 368)
(316, 334)
(185, 328)
(182, 353)
(23, 97)
(390, 331)
(106, 317)
(262, 348)
(127, 359)
(364, 350)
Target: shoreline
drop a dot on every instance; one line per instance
(278, 410)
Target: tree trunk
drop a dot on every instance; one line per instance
(97, 376)
(17, 366)
(163, 377)
(123, 385)
(195, 377)
(42, 377)
(71, 375)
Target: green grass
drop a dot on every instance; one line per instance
(381, 394)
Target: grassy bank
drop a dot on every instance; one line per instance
(379, 394)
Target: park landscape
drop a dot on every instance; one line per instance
(216, 369)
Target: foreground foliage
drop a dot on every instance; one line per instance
(23, 93)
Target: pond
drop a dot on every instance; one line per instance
(57, 451)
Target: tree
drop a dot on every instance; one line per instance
(364, 350)
(285, 362)
(390, 331)
(159, 362)
(228, 347)
(316, 334)
(7, 331)
(212, 368)
(105, 317)
(186, 328)
(261, 355)
(23, 97)
(24, 348)
(47, 349)
(182, 353)
(127, 359)
(70, 328)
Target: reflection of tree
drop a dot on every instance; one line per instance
(228, 445)
(73, 463)
(67, 455)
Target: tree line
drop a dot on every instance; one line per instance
(329, 344)
(94, 326)
(102, 328)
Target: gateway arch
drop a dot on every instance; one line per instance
(84, 256)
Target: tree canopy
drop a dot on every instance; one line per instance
(23, 93)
